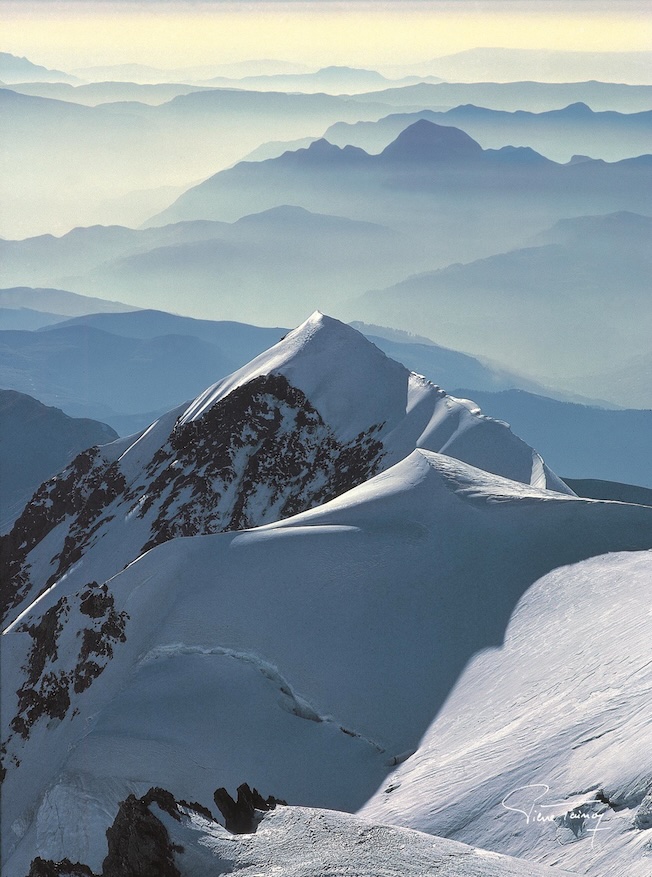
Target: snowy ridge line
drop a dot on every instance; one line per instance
(471, 483)
(538, 472)
(293, 702)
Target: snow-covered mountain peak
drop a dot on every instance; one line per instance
(348, 379)
(359, 391)
(319, 413)
(328, 641)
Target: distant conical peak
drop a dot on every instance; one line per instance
(424, 140)
(322, 145)
(578, 107)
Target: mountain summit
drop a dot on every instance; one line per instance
(425, 141)
(315, 415)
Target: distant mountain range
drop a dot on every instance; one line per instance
(105, 152)
(557, 134)
(439, 168)
(57, 301)
(16, 69)
(331, 80)
(143, 73)
(275, 260)
(508, 65)
(37, 442)
(457, 203)
(575, 303)
(94, 93)
(536, 97)
(121, 82)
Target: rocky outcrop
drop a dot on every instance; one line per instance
(81, 493)
(240, 815)
(65, 868)
(139, 844)
(260, 454)
(50, 678)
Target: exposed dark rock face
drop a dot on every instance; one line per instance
(97, 641)
(240, 816)
(138, 842)
(261, 454)
(43, 693)
(81, 492)
(50, 682)
(65, 868)
(139, 845)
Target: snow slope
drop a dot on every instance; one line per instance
(297, 842)
(307, 656)
(543, 749)
(315, 415)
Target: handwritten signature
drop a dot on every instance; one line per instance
(582, 817)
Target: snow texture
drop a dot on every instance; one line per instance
(543, 749)
(307, 656)
(298, 842)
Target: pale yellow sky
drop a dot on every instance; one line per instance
(167, 34)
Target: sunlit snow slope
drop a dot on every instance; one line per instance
(543, 750)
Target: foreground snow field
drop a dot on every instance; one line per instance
(297, 842)
(543, 749)
(306, 656)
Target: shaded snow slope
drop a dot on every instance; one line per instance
(306, 656)
(317, 414)
(543, 748)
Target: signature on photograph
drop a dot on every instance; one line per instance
(573, 819)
